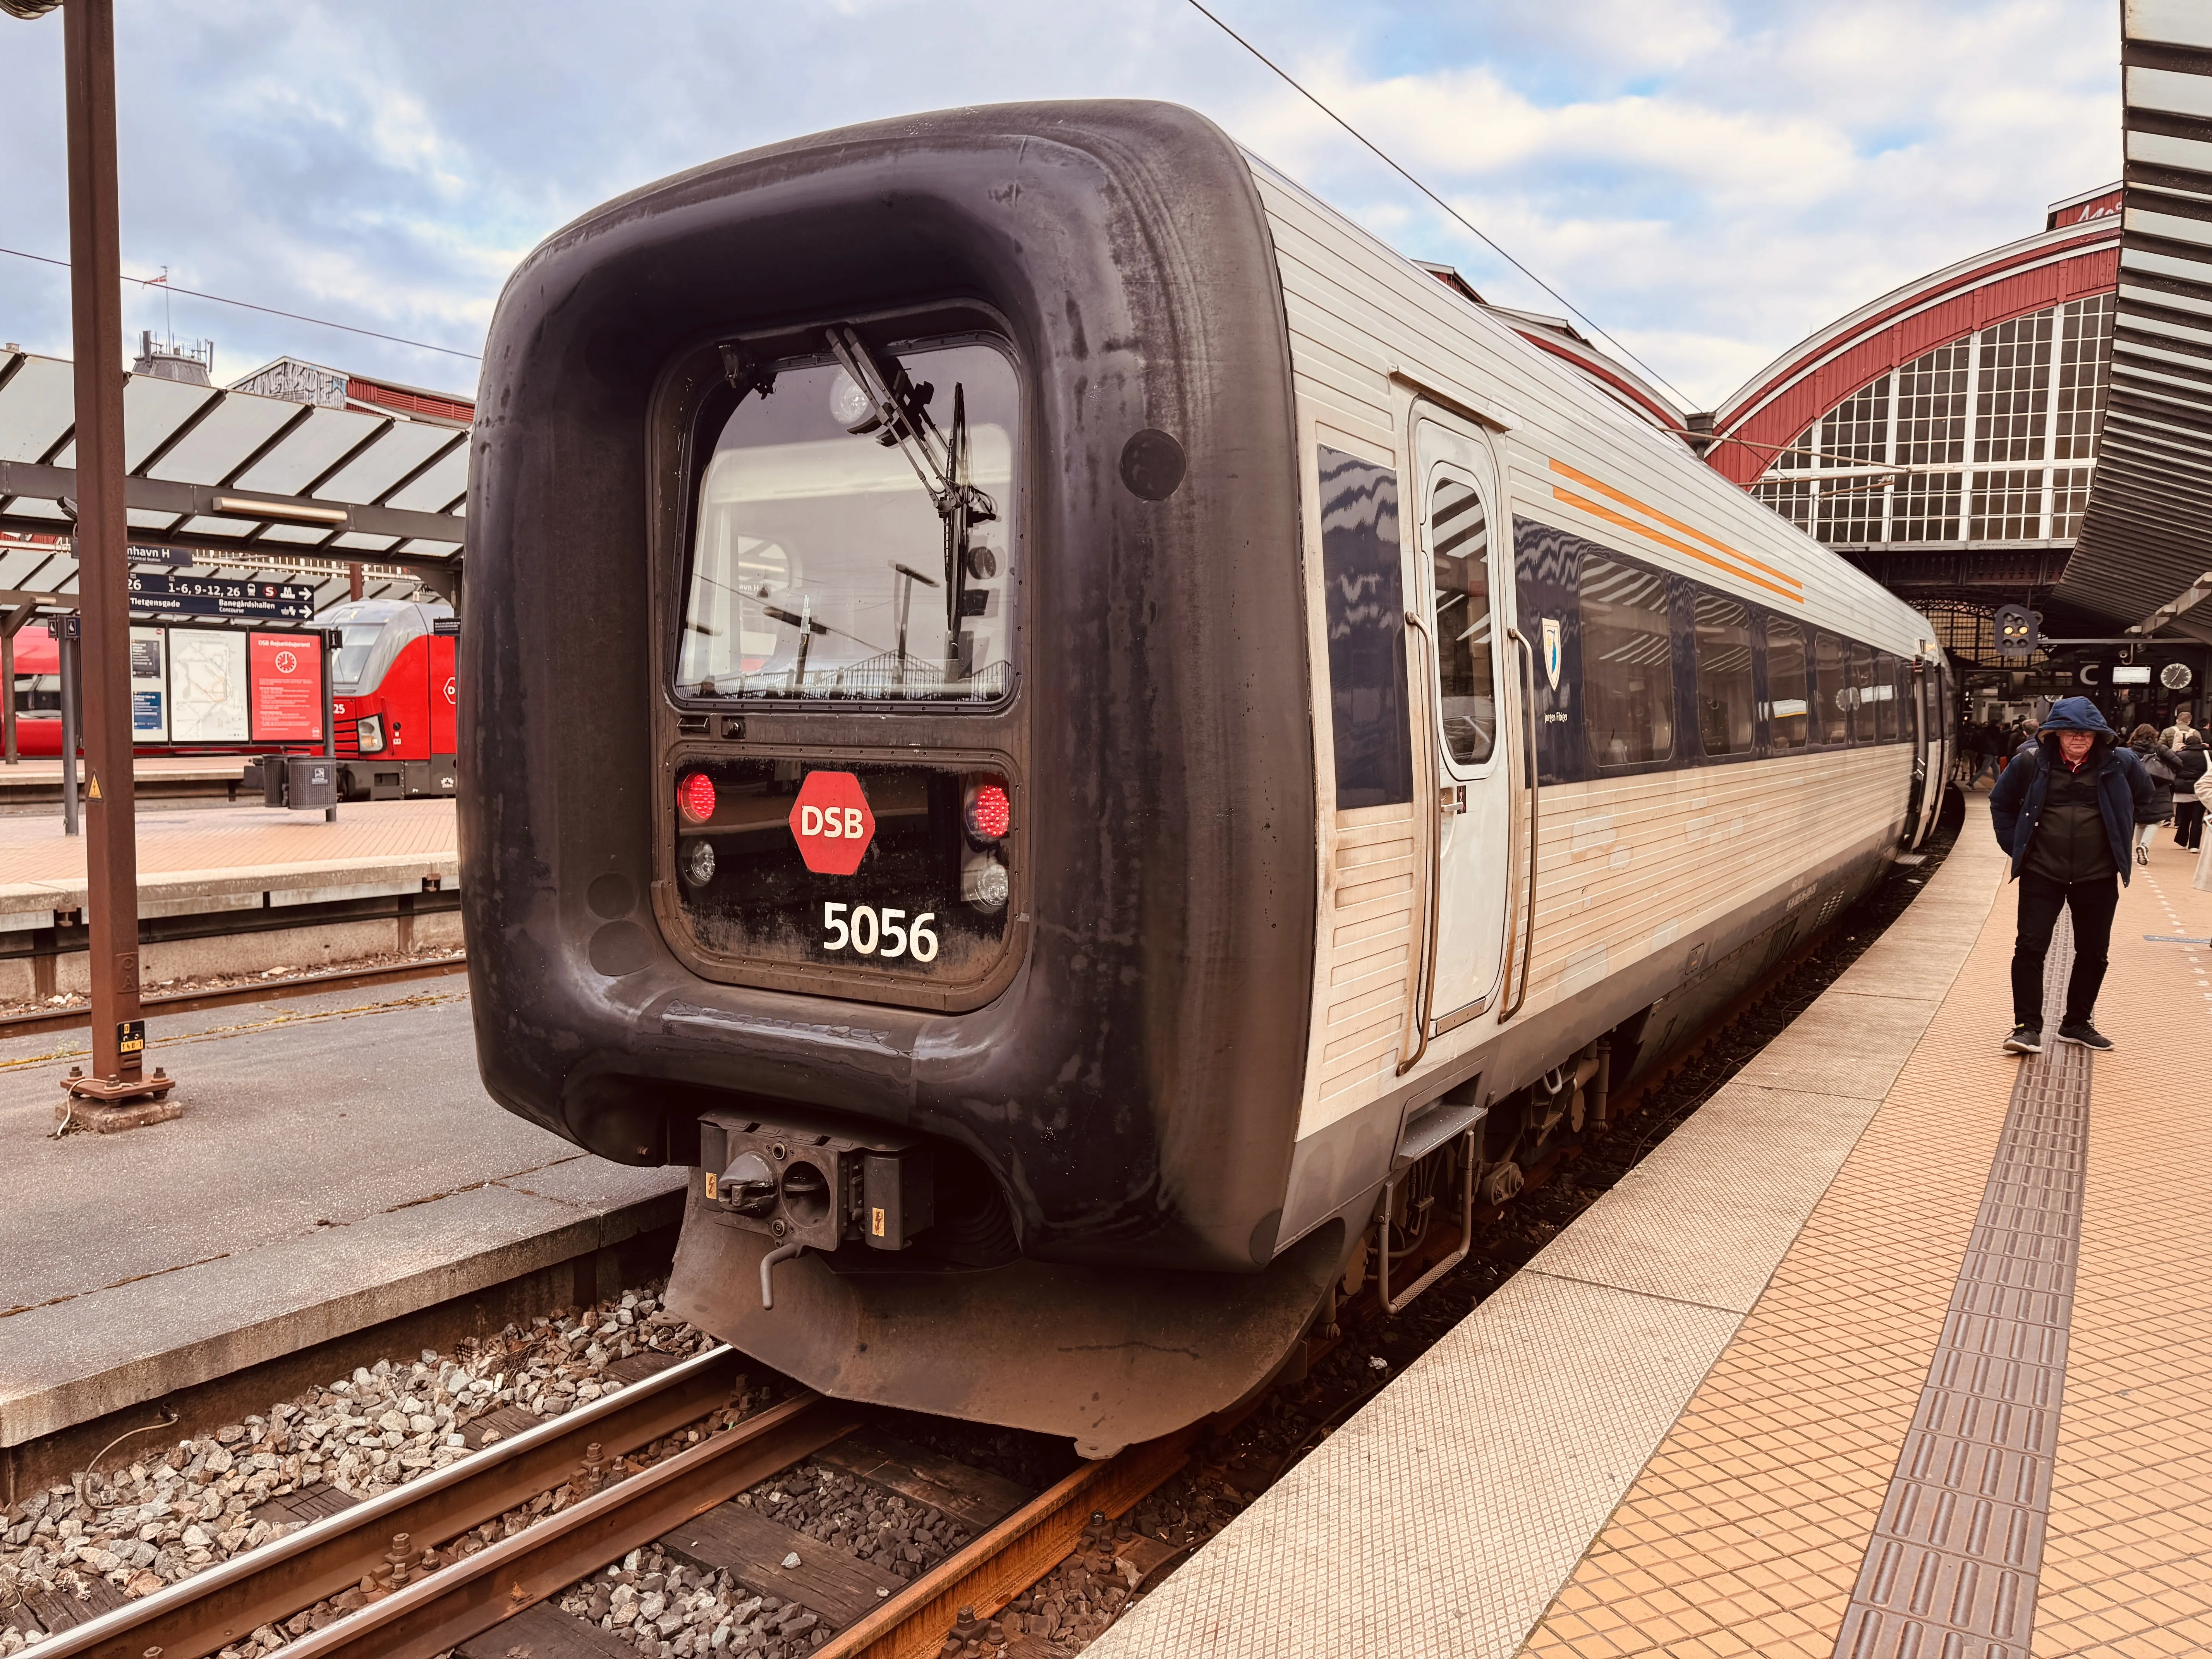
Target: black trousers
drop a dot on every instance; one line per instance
(2092, 903)
(2188, 821)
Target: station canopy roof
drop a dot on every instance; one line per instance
(241, 475)
(2145, 546)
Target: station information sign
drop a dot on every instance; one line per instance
(221, 596)
(285, 674)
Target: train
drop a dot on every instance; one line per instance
(391, 688)
(1147, 760)
(392, 694)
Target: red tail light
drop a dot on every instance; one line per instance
(989, 811)
(695, 797)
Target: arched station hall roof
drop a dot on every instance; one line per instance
(1944, 436)
(2037, 418)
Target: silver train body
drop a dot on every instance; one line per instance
(1400, 745)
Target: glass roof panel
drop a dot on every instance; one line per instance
(440, 484)
(34, 409)
(213, 448)
(152, 410)
(308, 450)
(387, 460)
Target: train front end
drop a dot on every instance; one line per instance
(929, 861)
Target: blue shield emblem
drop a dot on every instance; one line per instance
(1551, 651)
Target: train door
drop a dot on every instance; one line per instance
(1462, 558)
(443, 740)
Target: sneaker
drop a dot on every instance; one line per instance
(2025, 1040)
(2086, 1035)
(2142, 856)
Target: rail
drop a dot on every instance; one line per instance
(425, 1607)
(189, 1002)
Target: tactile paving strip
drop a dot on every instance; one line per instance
(1953, 1565)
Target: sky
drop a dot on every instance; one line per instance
(1709, 181)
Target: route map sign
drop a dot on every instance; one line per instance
(222, 596)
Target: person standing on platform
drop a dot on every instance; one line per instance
(2159, 762)
(2202, 879)
(1990, 751)
(2177, 736)
(2065, 814)
(2193, 760)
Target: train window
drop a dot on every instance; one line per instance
(1830, 695)
(1628, 663)
(1459, 549)
(1365, 606)
(1861, 700)
(1786, 700)
(820, 566)
(1724, 689)
(1884, 693)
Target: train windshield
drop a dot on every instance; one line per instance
(836, 554)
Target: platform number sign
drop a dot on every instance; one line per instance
(129, 1037)
(831, 822)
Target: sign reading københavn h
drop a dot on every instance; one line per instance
(222, 596)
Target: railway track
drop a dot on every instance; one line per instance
(189, 1002)
(426, 1584)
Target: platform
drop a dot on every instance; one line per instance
(1898, 1345)
(206, 861)
(337, 1166)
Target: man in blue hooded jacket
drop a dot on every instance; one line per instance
(2066, 811)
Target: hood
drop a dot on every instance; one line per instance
(2076, 714)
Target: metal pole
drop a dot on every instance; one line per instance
(14, 620)
(329, 725)
(66, 674)
(102, 542)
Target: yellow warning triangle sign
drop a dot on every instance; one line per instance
(93, 793)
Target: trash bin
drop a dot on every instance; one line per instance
(268, 772)
(311, 782)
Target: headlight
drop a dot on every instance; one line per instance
(985, 884)
(369, 733)
(697, 863)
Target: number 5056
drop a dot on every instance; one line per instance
(870, 933)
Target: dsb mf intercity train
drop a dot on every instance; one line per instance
(1145, 759)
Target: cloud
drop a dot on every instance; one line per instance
(1709, 179)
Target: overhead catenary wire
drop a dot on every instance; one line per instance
(266, 311)
(1465, 223)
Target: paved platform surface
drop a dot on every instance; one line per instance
(1899, 1346)
(214, 851)
(338, 1165)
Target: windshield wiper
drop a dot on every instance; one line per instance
(942, 463)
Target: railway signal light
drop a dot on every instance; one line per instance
(2017, 632)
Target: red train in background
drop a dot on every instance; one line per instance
(392, 694)
(391, 686)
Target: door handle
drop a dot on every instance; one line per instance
(1518, 992)
(1426, 994)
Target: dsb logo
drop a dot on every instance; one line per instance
(831, 822)
(838, 822)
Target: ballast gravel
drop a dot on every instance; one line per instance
(168, 1513)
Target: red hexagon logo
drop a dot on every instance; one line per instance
(831, 822)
